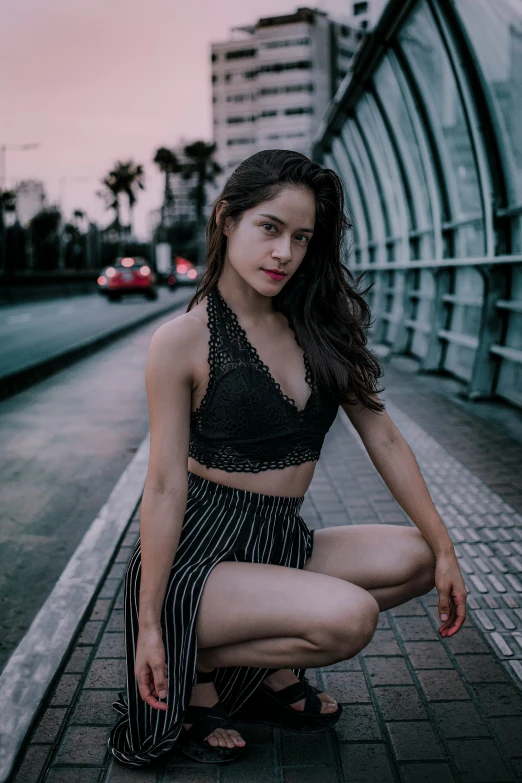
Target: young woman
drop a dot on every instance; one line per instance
(229, 597)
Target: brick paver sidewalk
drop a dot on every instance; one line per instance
(416, 708)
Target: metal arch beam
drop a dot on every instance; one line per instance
(398, 153)
(420, 134)
(365, 206)
(422, 219)
(371, 189)
(381, 188)
(492, 129)
(472, 122)
(442, 163)
(496, 278)
(342, 166)
(397, 216)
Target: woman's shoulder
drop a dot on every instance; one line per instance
(184, 337)
(184, 328)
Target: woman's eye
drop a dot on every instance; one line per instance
(270, 225)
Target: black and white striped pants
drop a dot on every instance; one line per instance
(220, 523)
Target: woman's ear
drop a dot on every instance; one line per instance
(219, 211)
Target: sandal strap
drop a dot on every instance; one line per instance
(296, 692)
(205, 719)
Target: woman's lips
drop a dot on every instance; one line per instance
(274, 275)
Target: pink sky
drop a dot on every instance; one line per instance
(97, 80)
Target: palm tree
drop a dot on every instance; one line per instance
(168, 163)
(111, 196)
(201, 165)
(125, 178)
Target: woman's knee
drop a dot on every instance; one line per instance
(347, 624)
(423, 564)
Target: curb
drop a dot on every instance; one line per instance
(34, 665)
(21, 379)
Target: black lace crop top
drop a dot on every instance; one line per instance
(245, 422)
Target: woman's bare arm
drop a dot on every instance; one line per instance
(169, 388)
(396, 463)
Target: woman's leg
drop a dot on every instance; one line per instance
(392, 562)
(262, 615)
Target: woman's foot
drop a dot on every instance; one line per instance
(205, 695)
(283, 677)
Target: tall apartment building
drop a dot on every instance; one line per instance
(273, 80)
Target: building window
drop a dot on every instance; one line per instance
(214, 78)
(286, 88)
(228, 77)
(360, 8)
(289, 66)
(345, 31)
(240, 54)
(300, 110)
(268, 113)
(232, 142)
(235, 120)
(214, 57)
(292, 42)
(345, 52)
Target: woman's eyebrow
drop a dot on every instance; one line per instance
(282, 222)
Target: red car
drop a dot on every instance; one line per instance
(128, 276)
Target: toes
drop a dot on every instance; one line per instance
(225, 738)
(237, 738)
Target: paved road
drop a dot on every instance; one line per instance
(417, 708)
(64, 443)
(33, 332)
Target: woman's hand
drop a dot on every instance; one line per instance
(150, 668)
(452, 594)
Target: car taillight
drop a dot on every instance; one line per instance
(110, 271)
(102, 280)
(192, 274)
(144, 270)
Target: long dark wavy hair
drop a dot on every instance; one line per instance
(321, 301)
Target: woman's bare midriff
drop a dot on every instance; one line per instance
(292, 481)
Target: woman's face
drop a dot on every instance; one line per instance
(272, 236)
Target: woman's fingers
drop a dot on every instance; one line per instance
(459, 602)
(147, 689)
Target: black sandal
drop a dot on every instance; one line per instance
(192, 742)
(273, 708)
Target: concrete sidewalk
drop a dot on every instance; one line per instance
(416, 708)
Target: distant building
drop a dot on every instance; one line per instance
(365, 15)
(273, 80)
(30, 199)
